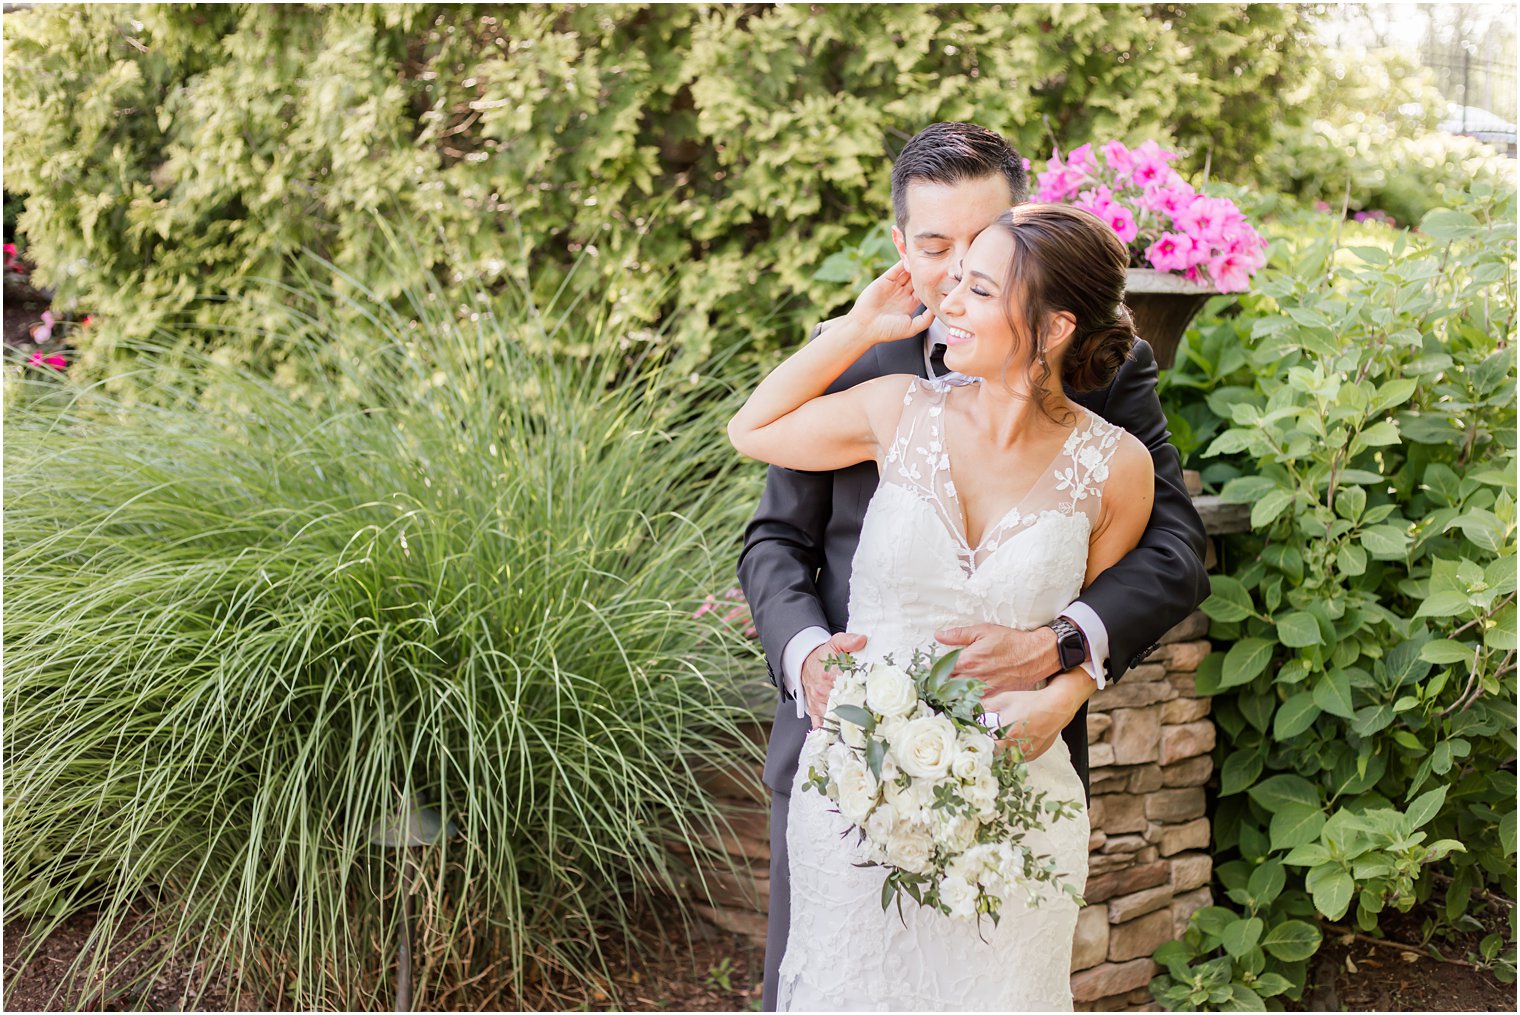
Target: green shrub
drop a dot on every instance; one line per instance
(1366, 703)
(242, 628)
(1367, 139)
(708, 157)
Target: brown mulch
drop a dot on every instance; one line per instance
(46, 982)
(680, 968)
(1352, 974)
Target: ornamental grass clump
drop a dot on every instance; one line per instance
(244, 630)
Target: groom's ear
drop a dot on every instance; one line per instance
(900, 242)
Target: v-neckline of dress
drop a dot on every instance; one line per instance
(960, 528)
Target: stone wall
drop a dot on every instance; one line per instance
(1150, 866)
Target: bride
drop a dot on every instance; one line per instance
(999, 500)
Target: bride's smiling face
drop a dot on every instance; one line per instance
(978, 312)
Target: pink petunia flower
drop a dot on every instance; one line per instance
(1122, 221)
(1120, 159)
(1172, 252)
(1229, 273)
(1081, 159)
(1168, 197)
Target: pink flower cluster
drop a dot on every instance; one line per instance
(1156, 213)
(738, 613)
(13, 261)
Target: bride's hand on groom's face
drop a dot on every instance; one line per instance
(884, 312)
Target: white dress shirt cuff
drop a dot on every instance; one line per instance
(1097, 640)
(794, 655)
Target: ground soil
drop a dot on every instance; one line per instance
(23, 310)
(699, 968)
(1351, 973)
(681, 967)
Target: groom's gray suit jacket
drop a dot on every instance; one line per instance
(795, 566)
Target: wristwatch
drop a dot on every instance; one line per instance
(1071, 647)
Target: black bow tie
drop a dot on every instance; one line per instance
(937, 360)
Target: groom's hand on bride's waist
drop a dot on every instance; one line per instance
(1003, 658)
(818, 680)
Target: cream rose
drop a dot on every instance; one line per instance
(960, 895)
(890, 691)
(926, 747)
(908, 847)
(982, 794)
(851, 693)
(973, 755)
(857, 791)
(956, 832)
(879, 825)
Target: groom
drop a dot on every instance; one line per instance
(950, 182)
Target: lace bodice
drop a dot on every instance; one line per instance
(915, 571)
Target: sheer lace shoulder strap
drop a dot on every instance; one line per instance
(917, 451)
(1083, 466)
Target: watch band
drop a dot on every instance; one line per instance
(1071, 646)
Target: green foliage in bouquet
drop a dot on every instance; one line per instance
(977, 813)
(1367, 700)
(708, 158)
(243, 630)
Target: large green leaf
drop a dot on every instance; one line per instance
(1295, 824)
(1298, 629)
(1230, 601)
(1332, 693)
(1245, 660)
(1285, 788)
(1242, 935)
(1426, 806)
(1292, 940)
(1331, 888)
(1296, 715)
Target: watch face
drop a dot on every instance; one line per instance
(1070, 642)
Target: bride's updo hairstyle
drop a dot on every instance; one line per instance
(1069, 260)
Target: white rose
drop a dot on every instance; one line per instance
(879, 825)
(956, 832)
(908, 848)
(926, 747)
(960, 895)
(890, 691)
(973, 755)
(982, 794)
(853, 693)
(857, 791)
(891, 729)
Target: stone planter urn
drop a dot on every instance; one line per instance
(1163, 304)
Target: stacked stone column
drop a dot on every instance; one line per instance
(1149, 866)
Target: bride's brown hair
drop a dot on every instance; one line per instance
(1066, 260)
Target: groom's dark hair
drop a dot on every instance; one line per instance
(953, 152)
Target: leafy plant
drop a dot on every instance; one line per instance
(709, 159)
(1366, 701)
(244, 630)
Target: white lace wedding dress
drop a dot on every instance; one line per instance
(913, 574)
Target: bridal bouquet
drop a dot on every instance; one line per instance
(908, 762)
(1165, 223)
